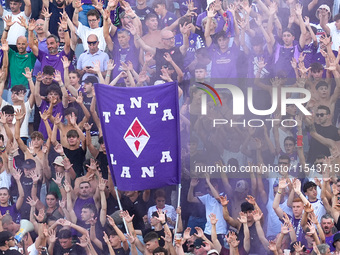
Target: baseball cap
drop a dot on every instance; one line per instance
(4, 236)
(212, 252)
(58, 161)
(323, 6)
(28, 164)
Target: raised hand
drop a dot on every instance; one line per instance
(52, 236)
(110, 65)
(9, 21)
(96, 66)
(298, 247)
(57, 76)
(260, 63)
(80, 98)
(35, 175)
(242, 218)
(272, 246)
(213, 219)
(22, 22)
(41, 215)
(186, 233)
(31, 201)
(110, 220)
(250, 199)
(66, 62)
(106, 238)
(224, 201)
(17, 174)
(257, 215)
(283, 183)
(39, 77)
(44, 115)
(59, 149)
(31, 25)
(102, 184)
(297, 186)
(126, 216)
(67, 187)
(67, 163)
(45, 13)
(28, 73)
(19, 114)
(58, 178)
(167, 57)
(200, 233)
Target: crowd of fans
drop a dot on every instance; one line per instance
(54, 168)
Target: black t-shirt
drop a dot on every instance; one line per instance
(142, 13)
(77, 158)
(10, 252)
(87, 103)
(103, 164)
(159, 233)
(27, 184)
(54, 19)
(137, 208)
(74, 250)
(316, 148)
(160, 61)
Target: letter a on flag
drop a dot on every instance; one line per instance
(141, 133)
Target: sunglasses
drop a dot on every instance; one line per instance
(320, 114)
(92, 43)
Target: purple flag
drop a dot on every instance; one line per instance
(141, 134)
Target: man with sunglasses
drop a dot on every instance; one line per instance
(86, 59)
(325, 129)
(6, 242)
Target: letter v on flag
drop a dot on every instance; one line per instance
(141, 133)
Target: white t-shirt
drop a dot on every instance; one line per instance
(319, 209)
(24, 125)
(5, 179)
(16, 30)
(83, 32)
(335, 33)
(170, 212)
(213, 206)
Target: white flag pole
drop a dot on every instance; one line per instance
(121, 209)
(178, 204)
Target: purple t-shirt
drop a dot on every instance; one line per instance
(52, 60)
(224, 63)
(78, 205)
(11, 210)
(43, 47)
(56, 109)
(124, 55)
(168, 19)
(310, 50)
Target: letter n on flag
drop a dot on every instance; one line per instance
(141, 133)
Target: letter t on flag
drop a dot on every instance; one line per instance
(141, 134)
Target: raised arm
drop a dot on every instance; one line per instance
(231, 221)
(28, 10)
(139, 41)
(77, 8)
(191, 198)
(33, 46)
(17, 175)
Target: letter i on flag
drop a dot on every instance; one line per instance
(141, 133)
